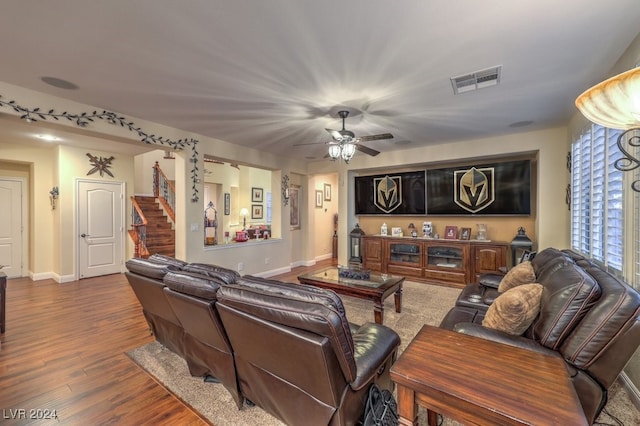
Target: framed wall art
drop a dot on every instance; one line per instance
(256, 211)
(294, 200)
(319, 197)
(327, 192)
(227, 204)
(257, 195)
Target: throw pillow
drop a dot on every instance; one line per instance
(515, 309)
(520, 274)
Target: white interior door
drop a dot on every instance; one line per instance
(100, 228)
(12, 216)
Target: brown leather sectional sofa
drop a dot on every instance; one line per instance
(587, 316)
(285, 347)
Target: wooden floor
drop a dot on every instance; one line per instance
(63, 361)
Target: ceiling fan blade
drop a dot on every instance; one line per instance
(376, 137)
(336, 135)
(367, 150)
(309, 143)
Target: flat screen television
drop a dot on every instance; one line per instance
(392, 194)
(502, 188)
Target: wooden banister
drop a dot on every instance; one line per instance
(164, 191)
(138, 233)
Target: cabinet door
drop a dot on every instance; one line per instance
(409, 254)
(489, 258)
(372, 255)
(447, 262)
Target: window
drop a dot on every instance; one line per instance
(597, 197)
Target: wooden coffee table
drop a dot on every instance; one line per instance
(377, 288)
(481, 382)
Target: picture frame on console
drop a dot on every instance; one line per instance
(450, 232)
(465, 234)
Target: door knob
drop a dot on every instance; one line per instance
(84, 235)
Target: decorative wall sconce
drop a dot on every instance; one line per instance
(615, 103)
(53, 196)
(285, 190)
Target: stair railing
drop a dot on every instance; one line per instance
(139, 232)
(164, 191)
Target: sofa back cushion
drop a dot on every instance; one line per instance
(547, 262)
(150, 268)
(609, 330)
(193, 284)
(298, 306)
(161, 258)
(229, 276)
(568, 294)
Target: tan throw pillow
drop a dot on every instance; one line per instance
(520, 274)
(515, 309)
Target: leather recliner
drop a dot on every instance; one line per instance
(207, 350)
(587, 316)
(296, 355)
(145, 277)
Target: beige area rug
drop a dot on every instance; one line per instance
(421, 304)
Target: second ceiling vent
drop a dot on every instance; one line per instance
(476, 80)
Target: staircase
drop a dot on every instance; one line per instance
(160, 236)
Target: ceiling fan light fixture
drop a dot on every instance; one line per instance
(335, 151)
(348, 150)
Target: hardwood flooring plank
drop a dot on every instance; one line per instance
(64, 350)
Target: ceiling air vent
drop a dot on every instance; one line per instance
(476, 80)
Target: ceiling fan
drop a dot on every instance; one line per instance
(345, 141)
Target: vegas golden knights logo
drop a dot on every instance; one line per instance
(388, 193)
(474, 188)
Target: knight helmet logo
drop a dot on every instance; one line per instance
(388, 193)
(474, 188)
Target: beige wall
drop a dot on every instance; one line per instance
(143, 165)
(38, 166)
(52, 241)
(550, 226)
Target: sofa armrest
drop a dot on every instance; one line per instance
(373, 345)
(498, 336)
(490, 280)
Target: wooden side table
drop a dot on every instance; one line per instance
(477, 381)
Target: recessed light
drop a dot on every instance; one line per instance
(59, 83)
(49, 138)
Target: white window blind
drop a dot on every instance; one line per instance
(597, 197)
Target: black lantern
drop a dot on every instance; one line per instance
(355, 245)
(520, 244)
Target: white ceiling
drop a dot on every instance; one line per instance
(271, 74)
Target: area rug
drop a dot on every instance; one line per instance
(421, 304)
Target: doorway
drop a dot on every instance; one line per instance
(100, 228)
(13, 226)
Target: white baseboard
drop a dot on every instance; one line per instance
(632, 390)
(43, 276)
(323, 257)
(303, 263)
(272, 272)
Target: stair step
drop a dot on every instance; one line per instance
(160, 232)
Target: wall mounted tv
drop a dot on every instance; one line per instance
(502, 188)
(393, 194)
